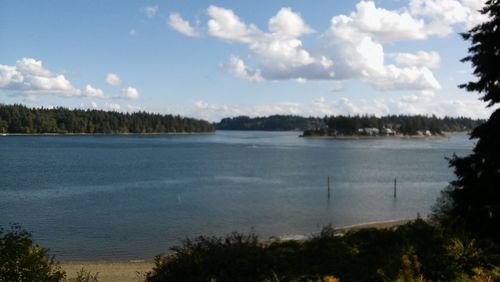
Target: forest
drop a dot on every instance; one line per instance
(21, 119)
(350, 125)
(393, 124)
(270, 123)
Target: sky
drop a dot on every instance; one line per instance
(215, 59)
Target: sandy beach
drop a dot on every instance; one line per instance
(134, 271)
(119, 271)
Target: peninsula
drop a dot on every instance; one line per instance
(19, 119)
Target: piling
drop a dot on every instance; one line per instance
(328, 182)
(395, 188)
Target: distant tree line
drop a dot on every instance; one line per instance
(270, 123)
(401, 124)
(21, 119)
(349, 125)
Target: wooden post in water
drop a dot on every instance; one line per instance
(328, 181)
(394, 188)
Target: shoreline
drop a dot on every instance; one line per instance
(378, 137)
(105, 134)
(135, 270)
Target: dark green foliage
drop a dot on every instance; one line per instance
(348, 125)
(22, 260)
(472, 203)
(365, 255)
(271, 123)
(402, 124)
(205, 258)
(20, 119)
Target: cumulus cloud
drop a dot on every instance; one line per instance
(29, 78)
(178, 23)
(351, 48)
(130, 93)
(288, 23)
(317, 107)
(381, 24)
(322, 106)
(113, 106)
(358, 54)
(226, 25)
(151, 11)
(113, 79)
(237, 67)
(420, 59)
(93, 92)
(279, 53)
(443, 14)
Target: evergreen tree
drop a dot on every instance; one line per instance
(20, 119)
(472, 203)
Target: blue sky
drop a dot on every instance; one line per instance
(212, 59)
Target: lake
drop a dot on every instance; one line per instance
(133, 197)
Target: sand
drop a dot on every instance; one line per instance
(110, 271)
(376, 224)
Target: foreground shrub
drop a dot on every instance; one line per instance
(22, 260)
(84, 275)
(417, 251)
(234, 258)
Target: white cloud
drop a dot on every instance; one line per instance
(420, 59)
(132, 32)
(130, 93)
(443, 14)
(151, 11)
(358, 55)
(318, 107)
(29, 77)
(381, 24)
(394, 78)
(288, 23)
(321, 106)
(181, 25)
(226, 25)
(237, 67)
(93, 92)
(113, 106)
(279, 54)
(113, 79)
(352, 47)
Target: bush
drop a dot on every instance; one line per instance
(22, 260)
(84, 275)
(364, 255)
(236, 257)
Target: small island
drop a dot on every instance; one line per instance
(357, 126)
(402, 126)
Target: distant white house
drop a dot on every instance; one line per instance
(369, 131)
(388, 131)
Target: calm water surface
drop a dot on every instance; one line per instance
(133, 197)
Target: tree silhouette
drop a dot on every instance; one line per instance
(473, 199)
